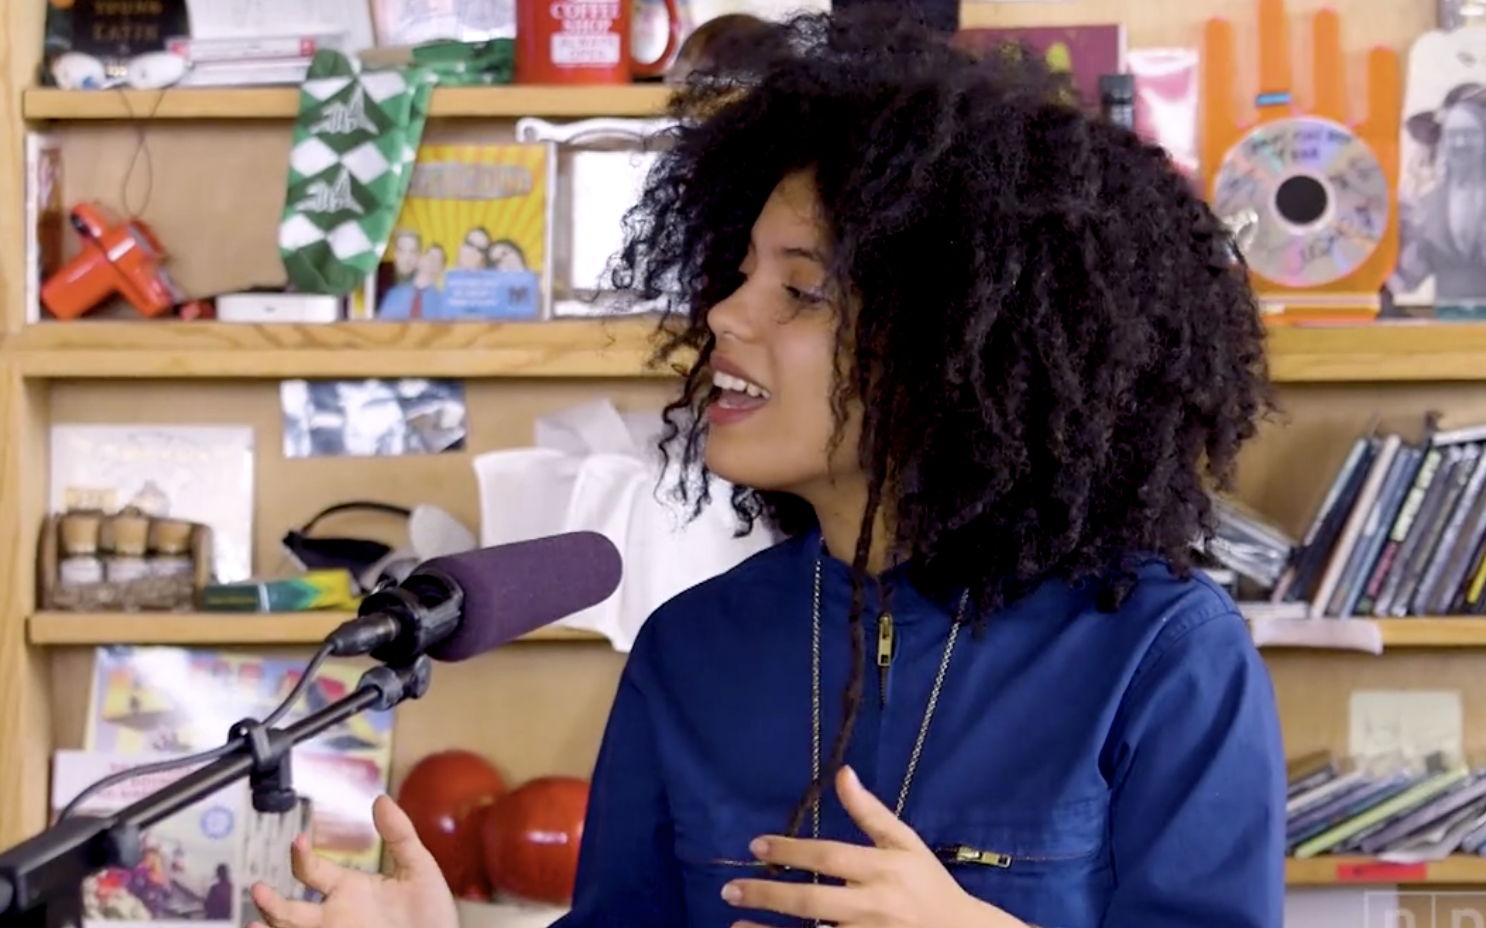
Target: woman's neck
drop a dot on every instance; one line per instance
(838, 509)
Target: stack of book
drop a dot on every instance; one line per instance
(1400, 532)
(1410, 812)
(238, 61)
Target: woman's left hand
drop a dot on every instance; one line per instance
(899, 883)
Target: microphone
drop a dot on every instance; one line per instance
(454, 607)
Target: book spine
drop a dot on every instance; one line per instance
(1459, 509)
(1462, 436)
(1303, 826)
(1370, 541)
(1429, 465)
(1406, 465)
(1384, 603)
(1306, 801)
(1458, 605)
(1429, 542)
(1311, 780)
(1336, 813)
(1346, 542)
(1473, 597)
(1453, 799)
(1338, 483)
(1424, 792)
(249, 48)
(1452, 582)
(1315, 557)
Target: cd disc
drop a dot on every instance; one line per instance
(1318, 192)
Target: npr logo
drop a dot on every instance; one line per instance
(1424, 910)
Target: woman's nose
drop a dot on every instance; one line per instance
(732, 319)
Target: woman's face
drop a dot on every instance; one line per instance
(770, 412)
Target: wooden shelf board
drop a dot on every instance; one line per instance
(212, 628)
(1431, 632)
(1335, 871)
(283, 102)
(310, 627)
(173, 349)
(1378, 352)
(1468, 631)
(612, 347)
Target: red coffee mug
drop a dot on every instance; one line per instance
(584, 42)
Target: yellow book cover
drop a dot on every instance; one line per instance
(472, 239)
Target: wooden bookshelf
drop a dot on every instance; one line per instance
(283, 102)
(540, 710)
(214, 628)
(1335, 871)
(161, 349)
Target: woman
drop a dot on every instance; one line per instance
(976, 355)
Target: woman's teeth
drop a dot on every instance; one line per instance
(738, 385)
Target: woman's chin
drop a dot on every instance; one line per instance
(741, 467)
(725, 466)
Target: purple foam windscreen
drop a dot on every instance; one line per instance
(514, 589)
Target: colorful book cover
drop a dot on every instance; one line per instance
(113, 32)
(473, 238)
(191, 869)
(1081, 52)
(178, 700)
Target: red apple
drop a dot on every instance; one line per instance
(444, 794)
(531, 837)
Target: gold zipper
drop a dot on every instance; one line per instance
(964, 854)
(885, 642)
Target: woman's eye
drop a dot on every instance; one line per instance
(804, 296)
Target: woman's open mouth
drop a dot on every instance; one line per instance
(733, 398)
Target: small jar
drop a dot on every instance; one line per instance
(78, 563)
(126, 538)
(170, 547)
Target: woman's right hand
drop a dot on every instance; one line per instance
(414, 895)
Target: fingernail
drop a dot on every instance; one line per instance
(759, 847)
(731, 894)
(851, 776)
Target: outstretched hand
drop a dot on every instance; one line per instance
(414, 895)
(897, 883)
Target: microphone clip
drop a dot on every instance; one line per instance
(398, 623)
(270, 777)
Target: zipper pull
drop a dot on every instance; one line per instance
(884, 639)
(964, 854)
(884, 654)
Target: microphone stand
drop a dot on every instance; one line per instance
(41, 879)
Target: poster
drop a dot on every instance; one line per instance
(372, 418)
(162, 700)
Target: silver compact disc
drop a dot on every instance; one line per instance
(1319, 194)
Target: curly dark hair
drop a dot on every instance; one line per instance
(1056, 348)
